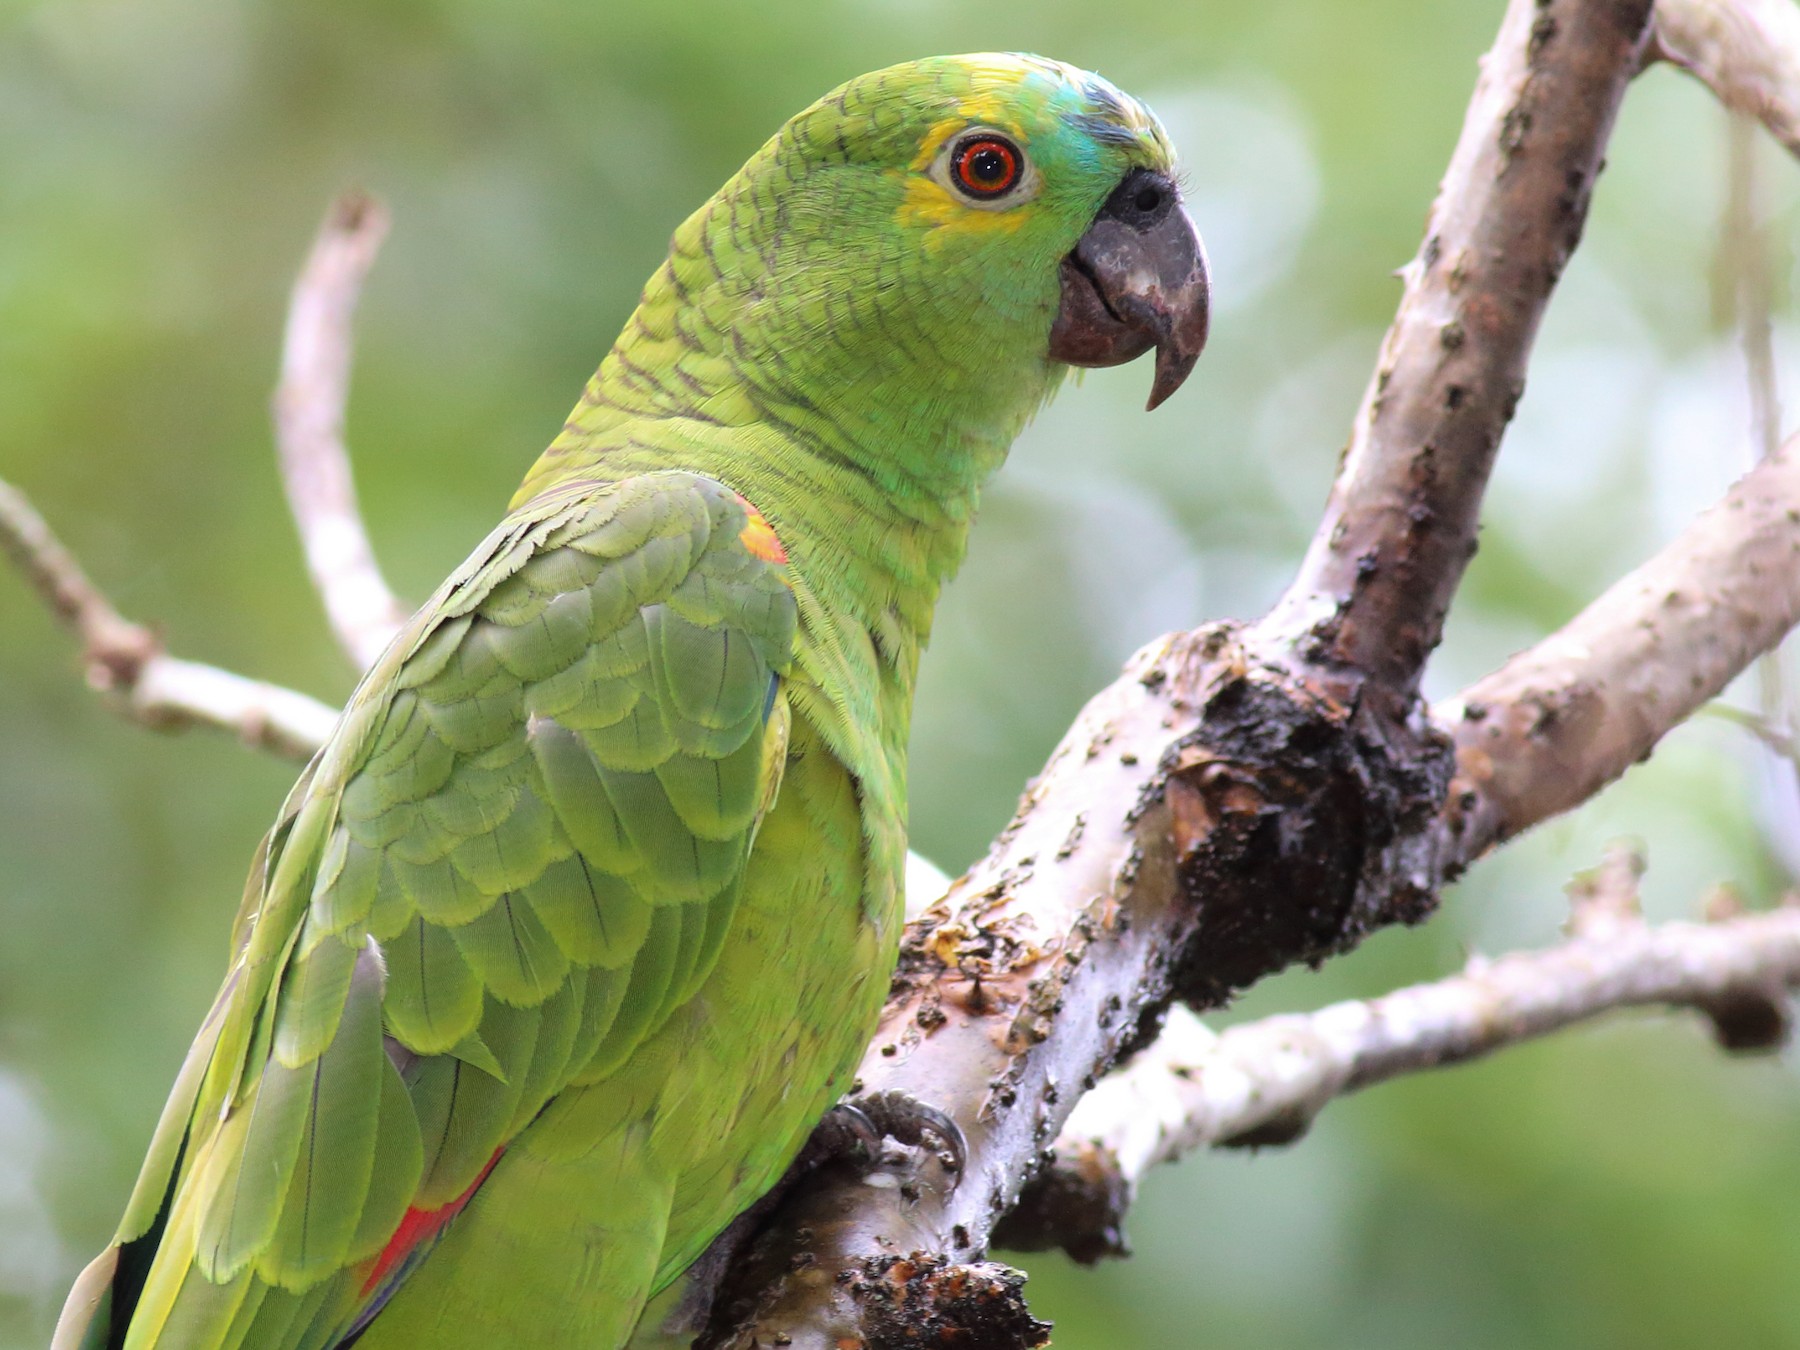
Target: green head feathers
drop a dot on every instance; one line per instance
(881, 279)
(963, 180)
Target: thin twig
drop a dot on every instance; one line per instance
(127, 662)
(1747, 268)
(309, 429)
(1772, 736)
(1263, 1082)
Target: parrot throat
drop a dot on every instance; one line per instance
(861, 420)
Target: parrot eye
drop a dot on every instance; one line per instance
(985, 166)
(986, 169)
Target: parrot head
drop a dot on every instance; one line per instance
(898, 279)
(1015, 187)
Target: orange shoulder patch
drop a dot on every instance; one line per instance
(759, 536)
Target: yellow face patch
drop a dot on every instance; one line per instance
(931, 206)
(978, 110)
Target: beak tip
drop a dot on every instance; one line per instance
(1185, 314)
(1172, 369)
(1131, 285)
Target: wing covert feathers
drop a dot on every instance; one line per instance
(519, 853)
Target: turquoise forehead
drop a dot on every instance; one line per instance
(1087, 113)
(1096, 108)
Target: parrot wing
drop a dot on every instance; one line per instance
(517, 856)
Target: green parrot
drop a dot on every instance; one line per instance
(580, 921)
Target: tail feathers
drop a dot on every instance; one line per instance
(150, 1293)
(172, 1303)
(102, 1313)
(157, 1298)
(196, 1314)
(86, 1321)
(200, 1317)
(105, 1295)
(303, 1321)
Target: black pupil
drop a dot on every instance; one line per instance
(1148, 199)
(988, 166)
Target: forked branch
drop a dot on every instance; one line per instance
(1240, 800)
(127, 660)
(1399, 528)
(1262, 1082)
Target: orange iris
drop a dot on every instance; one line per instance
(986, 166)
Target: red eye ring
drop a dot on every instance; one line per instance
(986, 166)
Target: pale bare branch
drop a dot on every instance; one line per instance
(1263, 1082)
(1746, 51)
(1400, 524)
(309, 430)
(1560, 720)
(127, 662)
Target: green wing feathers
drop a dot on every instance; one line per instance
(520, 852)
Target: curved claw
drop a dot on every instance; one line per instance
(920, 1124)
(846, 1131)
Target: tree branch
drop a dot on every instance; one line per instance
(1746, 51)
(309, 429)
(127, 661)
(1373, 590)
(1562, 719)
(1262, 1082)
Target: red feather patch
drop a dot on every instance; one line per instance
(420, 1226)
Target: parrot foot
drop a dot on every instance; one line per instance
(880, 1116)
(881, 1134)
(845, 1131)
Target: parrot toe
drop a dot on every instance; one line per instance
(918, 1124)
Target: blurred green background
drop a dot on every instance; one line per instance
(162, 166)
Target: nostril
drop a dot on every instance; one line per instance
(1142, 199)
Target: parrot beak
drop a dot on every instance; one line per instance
(1136, 280)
